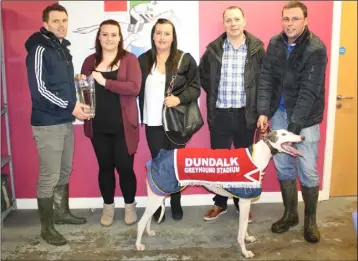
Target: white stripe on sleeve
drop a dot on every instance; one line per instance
(41, 84)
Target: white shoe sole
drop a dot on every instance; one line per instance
(213, 218)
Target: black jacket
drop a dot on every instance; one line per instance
(51, 79)
(210, 72)
(186, 84)
(301, 78)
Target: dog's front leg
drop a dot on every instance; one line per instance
(245, 205)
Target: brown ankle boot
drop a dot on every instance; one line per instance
(107, 215)
(130, 214)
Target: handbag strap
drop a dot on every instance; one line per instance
(169, 92)
(179, 144)
(171, 84)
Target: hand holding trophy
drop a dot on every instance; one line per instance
(86, 92)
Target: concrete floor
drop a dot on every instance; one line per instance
(190, 239)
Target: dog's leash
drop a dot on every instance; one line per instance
(259, 136)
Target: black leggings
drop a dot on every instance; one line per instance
(157, 140)
(112, 153)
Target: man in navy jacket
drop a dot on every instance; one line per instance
(291, 94)
(54, 107)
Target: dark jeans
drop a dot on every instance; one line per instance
(229, 127)
(112, 153)
(157, 140)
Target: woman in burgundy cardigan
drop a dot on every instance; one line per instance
(114, 131)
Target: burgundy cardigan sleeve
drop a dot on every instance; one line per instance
(87, 65)
(131, 85)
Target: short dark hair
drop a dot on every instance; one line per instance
(295, 4)
(50, 8)
(233, 7)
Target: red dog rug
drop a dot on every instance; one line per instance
(219, 167)
(230, 170)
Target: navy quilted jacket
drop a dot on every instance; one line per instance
(51, 79)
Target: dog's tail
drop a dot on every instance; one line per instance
(162, 212)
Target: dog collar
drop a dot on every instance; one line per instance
(272, 149)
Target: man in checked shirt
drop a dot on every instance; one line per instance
(229, 74)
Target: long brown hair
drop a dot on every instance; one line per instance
(173, 58)
(99, 54)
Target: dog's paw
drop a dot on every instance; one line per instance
(140, 247)
(248, 254)
(250, 239)
(151, 233)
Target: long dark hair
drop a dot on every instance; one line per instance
(99, 54)
(173, 58)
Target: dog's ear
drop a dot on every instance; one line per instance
(272, 137)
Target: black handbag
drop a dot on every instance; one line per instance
(184, 119)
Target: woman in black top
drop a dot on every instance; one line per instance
(114, 129)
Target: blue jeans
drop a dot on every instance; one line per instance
(305, 166)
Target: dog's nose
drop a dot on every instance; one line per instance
(303, 138)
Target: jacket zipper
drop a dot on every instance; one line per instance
(245, 70)
(312, 69)
(65, 57)
(215, 54)
(64, 54)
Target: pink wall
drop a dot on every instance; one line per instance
(263, 20)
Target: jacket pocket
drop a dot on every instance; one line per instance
(62, 91)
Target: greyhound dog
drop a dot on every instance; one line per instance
(264, 149)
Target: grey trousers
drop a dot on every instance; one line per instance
(55, 146)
